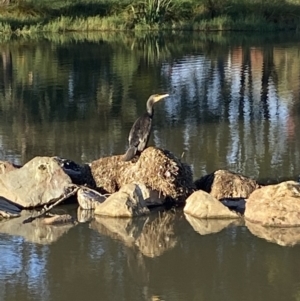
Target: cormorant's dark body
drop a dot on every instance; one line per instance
(140, 132)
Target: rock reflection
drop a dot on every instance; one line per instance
(157, 236)
(280, 236)
(152, 235)
(36, 231)
(209, 226)
(123, 229)
(84, 215)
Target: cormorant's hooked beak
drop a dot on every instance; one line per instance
(158, 97)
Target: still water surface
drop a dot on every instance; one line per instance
(234, 104)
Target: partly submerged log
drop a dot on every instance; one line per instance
(158, 169)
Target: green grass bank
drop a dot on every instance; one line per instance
(34, 16)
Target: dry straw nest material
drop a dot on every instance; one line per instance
(158, 169)
(227, 184)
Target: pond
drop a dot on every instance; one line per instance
(234, 104)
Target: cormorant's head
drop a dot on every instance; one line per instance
(158, 97)
(153, 99)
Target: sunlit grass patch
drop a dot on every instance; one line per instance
(5, 28)
(30, 16)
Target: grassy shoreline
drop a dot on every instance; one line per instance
(33, 16)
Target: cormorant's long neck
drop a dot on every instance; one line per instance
(150, 110)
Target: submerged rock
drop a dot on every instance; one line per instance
(203, 205)
(127, 202)
(275, 205)
(226, 184)
(58, 219)
(40, 181)
(157, 169)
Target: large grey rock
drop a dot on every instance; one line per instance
(275, 205)
(226, 184)
(40, 181)
(203, 205)
(127, 202)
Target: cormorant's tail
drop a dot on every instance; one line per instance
(130, 153)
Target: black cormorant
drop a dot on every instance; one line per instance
(140, 131)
